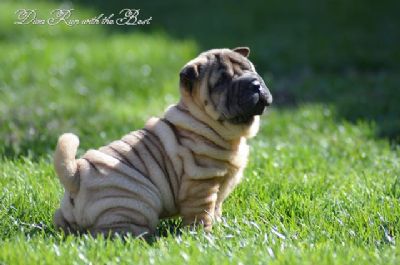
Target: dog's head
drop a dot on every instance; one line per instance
(225, 84)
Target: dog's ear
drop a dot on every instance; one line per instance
(188, 76)
(245, 51)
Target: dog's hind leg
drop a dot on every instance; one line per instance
(62, 224)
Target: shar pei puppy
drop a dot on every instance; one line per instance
(183, 164)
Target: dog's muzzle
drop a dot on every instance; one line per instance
(252, 98)
(255, 97)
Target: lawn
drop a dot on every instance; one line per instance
(322, 185)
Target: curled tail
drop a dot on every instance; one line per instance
(65, 162)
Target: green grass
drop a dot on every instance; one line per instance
(319, 188)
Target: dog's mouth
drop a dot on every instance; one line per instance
(241, 120)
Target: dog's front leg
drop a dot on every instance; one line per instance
(197, 202)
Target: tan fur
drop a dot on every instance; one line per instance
(184, 164)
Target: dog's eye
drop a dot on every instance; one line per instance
(222, 79)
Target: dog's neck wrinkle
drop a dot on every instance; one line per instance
(217, 127)
(191, 122)
(189, 134)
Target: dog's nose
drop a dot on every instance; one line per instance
(263, 92)
(255, 86)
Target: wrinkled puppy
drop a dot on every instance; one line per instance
(184, 164)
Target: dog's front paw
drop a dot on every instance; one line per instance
(218, 214)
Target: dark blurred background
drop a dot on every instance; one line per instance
(339, 52)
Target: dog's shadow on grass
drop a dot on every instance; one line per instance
(171, 226)
(167, 228)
